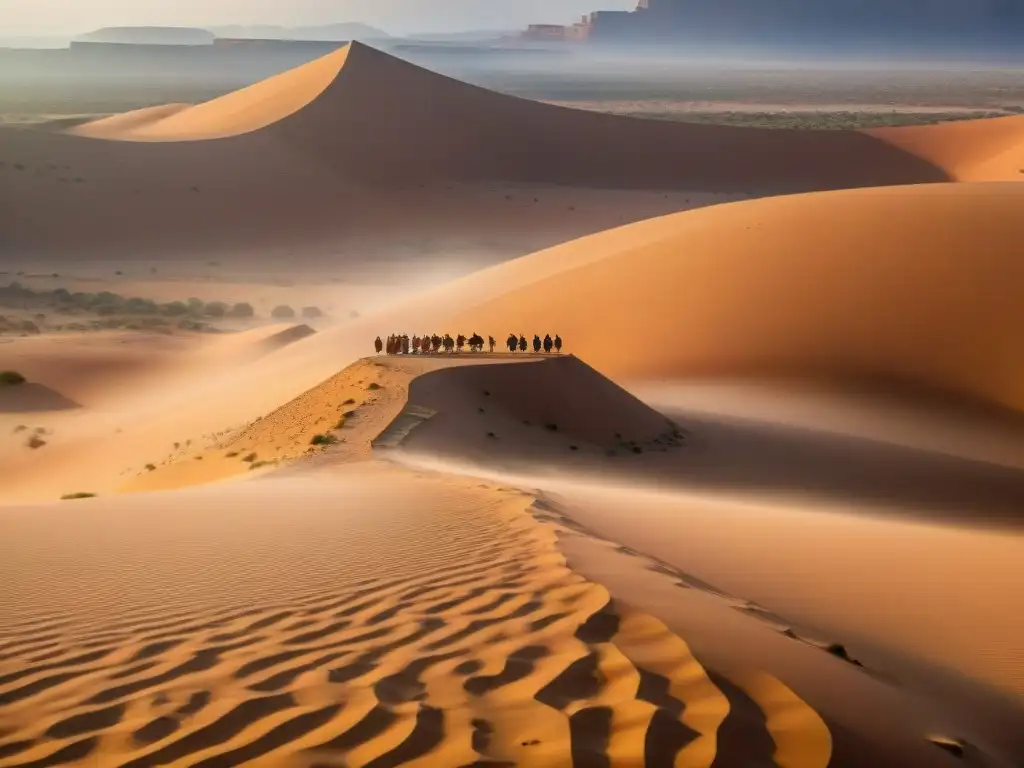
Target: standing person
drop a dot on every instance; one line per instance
(405, 344)
(536, 344)
(415, 345)
(490, 341)
(391, 345)
(548, 343)
(558, 344)
(378, 344)
(460, 342)
(522, 343)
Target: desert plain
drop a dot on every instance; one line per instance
(763, 508)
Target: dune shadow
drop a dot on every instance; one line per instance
(758, 456)
(34, 398)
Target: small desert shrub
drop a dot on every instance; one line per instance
(250, 458)
(79, 495)
(175, 309)
(151, 467)
(259, 464)
(215, 309)
(195, 306)
(282, 312)
(373, 385)
(551, 427)
(11, 378)
(349, 414)
(350, 401)
(340, 424)
(241, 310)
(312, 312)
(34, 442)
(230, 455)
(323, 440)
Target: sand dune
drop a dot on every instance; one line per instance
(323, 161)
(903, 283)
(372, 98)
(464, 639)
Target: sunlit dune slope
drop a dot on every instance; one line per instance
(134, 121)
(248, 109)
(920, 284)
(356, 108)
(967, 150)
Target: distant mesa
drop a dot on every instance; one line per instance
(147, 36)
(867, 24)
(342, 32)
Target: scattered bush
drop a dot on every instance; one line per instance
(151, 467)
(241, 310)
(340, 424)
(250, 458)
(323, 440)
(551, 427)
(230, 455)
(215, 309)
(195, 306)
(79, 495)
(373, 386)
(11, 378)
(312, 312)
(350, 401)
(34, 442)
(283, 312)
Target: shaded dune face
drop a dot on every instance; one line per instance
(919, 284)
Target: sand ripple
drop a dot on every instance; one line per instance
(478, 648)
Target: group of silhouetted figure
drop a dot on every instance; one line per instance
(403, 344)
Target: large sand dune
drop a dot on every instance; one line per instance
(283, 167)
(919, 284)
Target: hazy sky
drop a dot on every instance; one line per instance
(60, 17)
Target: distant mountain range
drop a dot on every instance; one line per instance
(340, 32)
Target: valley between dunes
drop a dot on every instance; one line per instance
(273, 547)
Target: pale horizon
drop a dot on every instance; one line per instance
(26, 18)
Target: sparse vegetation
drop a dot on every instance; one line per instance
(312, 312)
(230, 455)
(350, 401)
(259, 464)
(340, 424)
(151, 467)
(109, 311)
(241, 311)
(35, 441)
(323, 440)
(79, 495)
(282, 312)
(373, 386)
(11, 379)
(250, 458)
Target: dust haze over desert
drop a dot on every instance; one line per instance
(631, 389)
